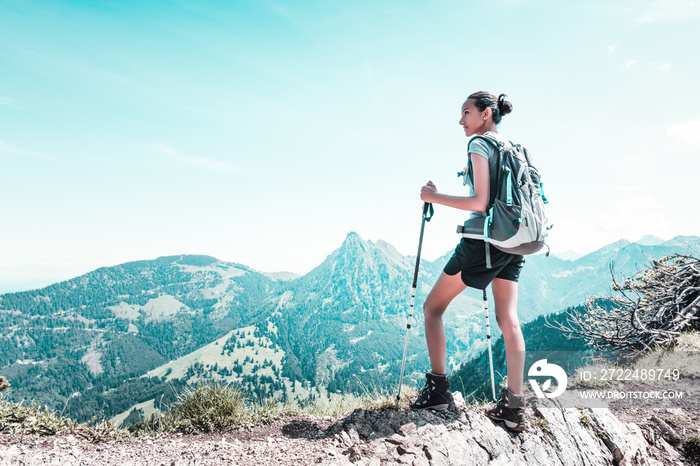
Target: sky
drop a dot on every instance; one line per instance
(263, 132)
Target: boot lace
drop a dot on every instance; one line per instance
(428, 388)
(502, 399)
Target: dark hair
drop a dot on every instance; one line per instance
(499, 106)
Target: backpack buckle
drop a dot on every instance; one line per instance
(464, 174)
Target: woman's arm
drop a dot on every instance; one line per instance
(478, 203)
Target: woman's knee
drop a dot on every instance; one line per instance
(445, 290)
(432, 310)
(508, 324)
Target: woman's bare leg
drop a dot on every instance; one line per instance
(445, 290)
(505, 295)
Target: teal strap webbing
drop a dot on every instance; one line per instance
(487, 222)
(509, 189)
(544, 198)
(428, 211)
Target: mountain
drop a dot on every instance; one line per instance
(568, 255)
(96, 334)
(650, 240)
(549, 284)
(118, 336)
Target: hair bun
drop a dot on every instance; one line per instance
(504, 107)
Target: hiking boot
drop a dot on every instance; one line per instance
(510, 408)
(435, 394)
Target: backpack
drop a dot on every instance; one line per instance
(515, 221)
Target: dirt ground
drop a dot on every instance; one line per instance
(290, 441)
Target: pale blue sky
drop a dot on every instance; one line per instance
(263, 132)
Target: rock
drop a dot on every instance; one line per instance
(402, 449)
(354, 436)
(408, 429)
(669, 434)
(421, 461)
(557, 436)
(459, 400)
(345, 439)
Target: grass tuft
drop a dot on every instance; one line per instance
(691, 448)
(542, 424)
(21, 418)
(26, 419)
(209, 407)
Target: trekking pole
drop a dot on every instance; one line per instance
(488, 337)
(427, 215)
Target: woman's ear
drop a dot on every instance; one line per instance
(487, 113)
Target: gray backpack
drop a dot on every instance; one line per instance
(515, 221)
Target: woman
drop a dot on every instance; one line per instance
(481, 112)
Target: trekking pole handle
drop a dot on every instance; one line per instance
(428, 211)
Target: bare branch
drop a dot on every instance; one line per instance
(651, 309)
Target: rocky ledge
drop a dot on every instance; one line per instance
(460, 436)
(555, 436)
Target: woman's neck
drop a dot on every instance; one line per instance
(489, 129)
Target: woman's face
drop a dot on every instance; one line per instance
(473, 121)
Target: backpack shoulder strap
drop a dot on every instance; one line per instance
(488, 139)
(493, 190)
(527, 156)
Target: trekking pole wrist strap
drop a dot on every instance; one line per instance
(428, 211)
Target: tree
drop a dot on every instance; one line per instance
(651, 310)
(135, 415)
(4, 384)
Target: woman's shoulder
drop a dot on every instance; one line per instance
(484, 144)
(498, 137)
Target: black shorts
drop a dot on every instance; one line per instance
(469, 258)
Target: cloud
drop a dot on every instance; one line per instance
(9, 149)
(630, 210)
(611, 49)
(687, 133)
(201, 162)
(633, 63)
(4, 147)
(666, 11)
(7, 102)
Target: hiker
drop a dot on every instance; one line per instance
(481, 112)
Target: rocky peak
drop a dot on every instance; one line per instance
(363, 259)
(614, 247)
(650, 240)
(682, 241)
